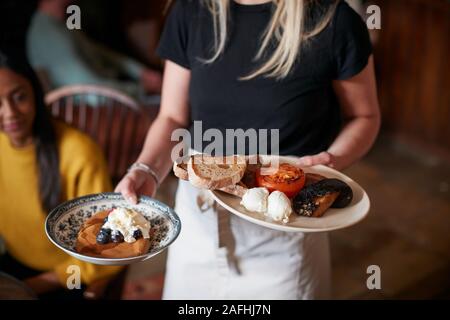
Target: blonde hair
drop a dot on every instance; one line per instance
(286, 27)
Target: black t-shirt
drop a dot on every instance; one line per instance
(302, 106)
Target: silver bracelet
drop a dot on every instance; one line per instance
(143, 167)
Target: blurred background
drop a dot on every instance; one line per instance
(407, 174)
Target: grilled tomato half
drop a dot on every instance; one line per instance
(286, 178)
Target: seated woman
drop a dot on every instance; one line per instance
(43, 162)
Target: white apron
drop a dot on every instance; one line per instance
(221, 256)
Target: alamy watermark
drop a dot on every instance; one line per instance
(374, 280)
(374, 17)
(218, 142)
(373, 20)
(74, 279)
(73, 22)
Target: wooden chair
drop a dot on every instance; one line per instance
(119, 125)
(113, 119)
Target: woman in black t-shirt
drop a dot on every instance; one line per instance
(302, 67)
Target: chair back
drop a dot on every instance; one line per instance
(112, 119)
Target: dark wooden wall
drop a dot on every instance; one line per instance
(413, 68)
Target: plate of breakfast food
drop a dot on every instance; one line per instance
(274, 192)
(105, 229)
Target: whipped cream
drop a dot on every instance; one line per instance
(279, 206)
(255, 199)
(127, 222)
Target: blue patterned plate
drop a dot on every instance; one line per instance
(64, 222)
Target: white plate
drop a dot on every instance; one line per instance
(333, 219)
(64, 222)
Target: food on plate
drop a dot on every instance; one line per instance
(117, 233)
(255, 199)
(314, 199)
(313, 178)
(275, 205)
(249, 178)
(286, 178)
(279, 206)
(215, 172)
(265, 189)
(345, 192)
(131, 225)
(238, 189)
(180, 171)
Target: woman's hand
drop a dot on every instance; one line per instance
(43, 283)
(134, 183)
(325, 158)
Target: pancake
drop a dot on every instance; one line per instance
(87, 241)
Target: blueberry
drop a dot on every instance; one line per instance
(105, 231)
(137, 234)
(105, 220)
(117, 237)
(103, 238)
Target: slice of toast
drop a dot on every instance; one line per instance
(180, 170)
(209, 172)
(238, 189)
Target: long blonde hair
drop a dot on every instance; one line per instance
(287, 27)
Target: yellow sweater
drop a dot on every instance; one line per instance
(83, 171)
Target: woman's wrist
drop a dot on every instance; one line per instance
(143, 167)
(341, 160)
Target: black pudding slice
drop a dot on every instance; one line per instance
(304, 202)
(117, 237)
(345, 192)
